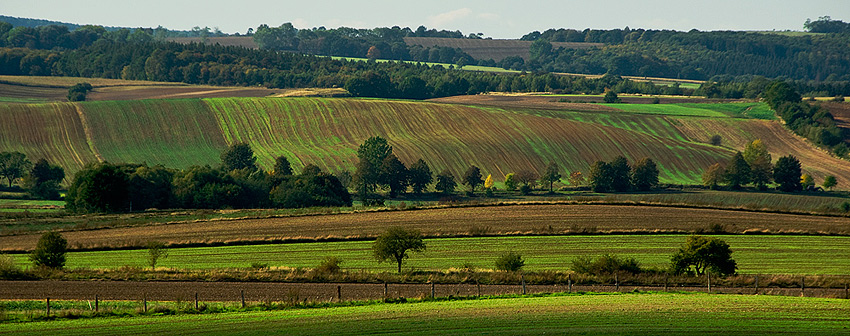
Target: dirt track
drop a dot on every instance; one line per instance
(277, 292)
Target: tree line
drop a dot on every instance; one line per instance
(692, 55)
(377, 43)
(237, 183)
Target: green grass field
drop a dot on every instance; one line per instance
(599, 314)
(754, 254)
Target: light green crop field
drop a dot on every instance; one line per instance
(724, 110)
(754, 254)
(600, 314)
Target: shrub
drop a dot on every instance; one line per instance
(703, 254)
(715, 140)
(259, 266)
(838, 99)
(606, 264)
(525, 189)
(9, 270)
(510, 262)
(329, 265)
(50, 250)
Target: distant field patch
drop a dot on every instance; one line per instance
(755, 254)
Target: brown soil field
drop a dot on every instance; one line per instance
(318, 292)
(550, 102)
(492, 49)
(225, 41)
(493, 220)
(53, 89)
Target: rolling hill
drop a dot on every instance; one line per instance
(327, 132)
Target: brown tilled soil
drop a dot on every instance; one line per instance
(292, 292)
(515, 219)
(553, 102)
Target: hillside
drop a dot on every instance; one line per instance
(497, 50)
(326, 132)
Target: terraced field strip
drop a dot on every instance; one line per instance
(619, 314)
(754, 254)
(515, 219)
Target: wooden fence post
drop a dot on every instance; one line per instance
(570, 283)
(479, 287)
(522, 278)
(432, 290)
(617, 280)
(339, 293)
(96, 303)
(708, 274)
(803, 286)
(846, 293)
(145, 301)
(48, 306)
(757, 284)
(666, 280)
(385, 290)
(242, 294)
(196, 300)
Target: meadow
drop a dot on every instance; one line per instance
(598, 314)
(815, 255)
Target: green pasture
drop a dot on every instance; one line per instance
(754, 254)
(712, 110)
(597, 314)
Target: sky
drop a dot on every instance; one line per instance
(494, 18)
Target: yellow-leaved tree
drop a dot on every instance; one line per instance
(488, 182)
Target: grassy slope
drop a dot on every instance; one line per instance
(623, 314)
(326, 132)
(754, 254)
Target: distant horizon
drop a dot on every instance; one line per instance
(496, 19)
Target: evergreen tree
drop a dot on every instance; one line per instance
(473, 178)
(446, 182)
(601, 177)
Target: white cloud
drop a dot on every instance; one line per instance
(440, 20)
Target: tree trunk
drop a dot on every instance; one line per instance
(399, 266)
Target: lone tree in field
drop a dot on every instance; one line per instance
(787, 173)
(420, 176)
(156, 251)
(704, 254)
(829, 182)
(50, 251)
(510, 182)
(395, 243)
(13, 165)
(645, 174)
(473, 178)
(446, 182)
(238, 156)
(551, 175)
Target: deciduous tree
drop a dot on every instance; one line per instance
(395, 243)
(13, 165)
(621, 174)
(787, 173)
(761, 166)
(394, 175)
(446, 182)
(420, 176)
(372, 154)
(551, 175)
(713, 176)
(238, 156)
(472, 178)
(738, 171)
(50, 250)
(645, 174)
(829, 182)
(601, 177)
(701, 254)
